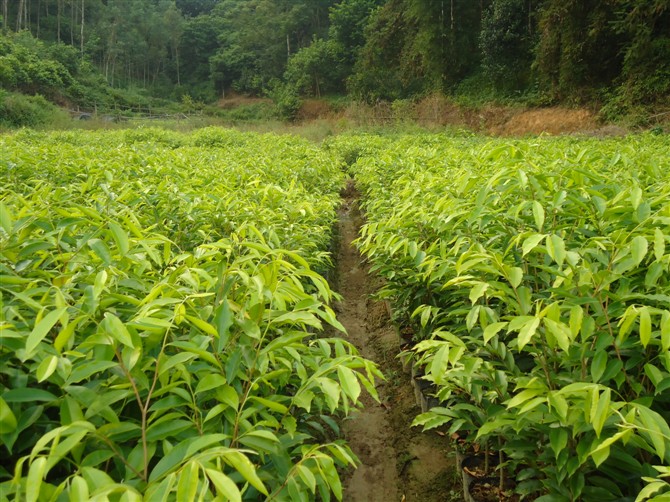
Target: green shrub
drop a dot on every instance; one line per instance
(17, 110)
(286, 100)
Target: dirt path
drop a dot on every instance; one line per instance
(399, 463)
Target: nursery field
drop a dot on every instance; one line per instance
(531, 280)
(168, 331)
(162, 316)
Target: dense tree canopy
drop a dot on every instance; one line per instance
(609, 51)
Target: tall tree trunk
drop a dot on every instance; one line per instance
(4, 16)
(177, 59)
(19, 15)
(81, 35)
(73, 21)
(58, 14)
(39, 4)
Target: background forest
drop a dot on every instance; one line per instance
(608, 53)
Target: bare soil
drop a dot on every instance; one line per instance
(398, 462)
(438, 111)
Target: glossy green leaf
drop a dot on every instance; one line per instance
(492, 330)
(187, 486)
(645, 326)
(556, 248)
(349, 382)
(225, 486)
(527, 332)
(27, 395)
(41, 330)
(7, 418)
(242, 464)
(638, 249)
(46, 368)
(531, 242)
(538, 215)
(659, 244)
(101, 250)
(477, 291)
(6, 222)
(115, 327)
(36, 473)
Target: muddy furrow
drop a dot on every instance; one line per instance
(398, 463)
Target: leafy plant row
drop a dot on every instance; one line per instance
(535, 275)
(162, 321)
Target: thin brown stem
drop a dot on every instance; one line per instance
(143, 410)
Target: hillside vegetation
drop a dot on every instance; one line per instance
(613, 56)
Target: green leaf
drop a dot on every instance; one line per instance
(527, 332)
(531, 243)
(307, 477)
(36, 473)
(260, 441)
(515, 276)
(187, 486)
(225, 486)
(78, 489)
(492, 330)
(665, 330)
(638, 248)
(203, 325)
(556, 249)
(85, 370)
(538, 215)
(576, 319)
(6, 222)
(655, 375)
(636, 197)
(7, 418)
(228, 395)
(120, 237)
(269, 404)
(524, 396)
(349, 382)
(626, 323)
(600, 411)
(655, 428)
(659, 244)
(331, 390)
(650, 490)
(209, 382)
(559, 404)
(96, 478)
(223, 319)
(558, 438)
(601, 449)
(600, 455)
(101, 249)
(114, 327)
(645, 326)
(598, 365)
(560, 332)
(41, 330)
(27, 395)
(46, 368)
(478, 291)
(244, 466)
